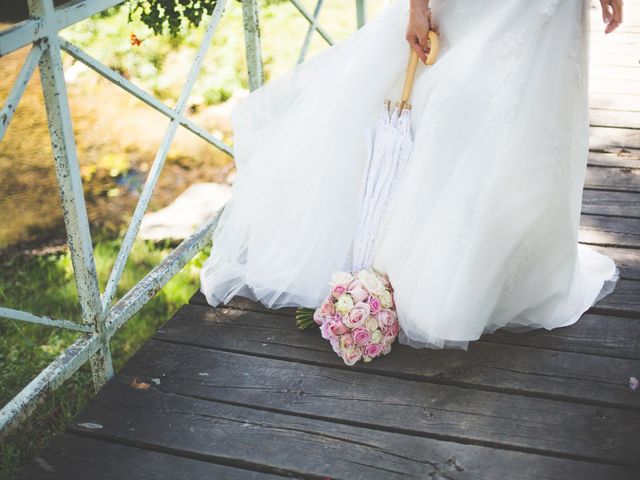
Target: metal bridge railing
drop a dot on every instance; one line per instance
(101, 318)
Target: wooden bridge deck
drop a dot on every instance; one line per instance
(239, 393)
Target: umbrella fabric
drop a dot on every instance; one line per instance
(390, 148)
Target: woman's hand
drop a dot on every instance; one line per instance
(420, 23)
(611, 14)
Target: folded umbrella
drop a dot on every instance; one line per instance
(389, 151)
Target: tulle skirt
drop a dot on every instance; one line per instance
(482, 230)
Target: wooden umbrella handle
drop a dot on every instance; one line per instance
(413, 63)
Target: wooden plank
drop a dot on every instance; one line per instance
(614, 101)
(624, 43)
(591, 334)
(78, 457)
(299, 446)
(627, 260)
(630, 72)
(615, 158)
(548, 427)
(624, 57)
(619, 85)
(609, 231)
(512, 369)
(241, 303)
(614, 118)
(604, 137)
(607, 202)
(613, 178)
(623, 301)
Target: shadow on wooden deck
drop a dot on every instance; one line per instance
(238, 392)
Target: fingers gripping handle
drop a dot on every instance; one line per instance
(413, 63)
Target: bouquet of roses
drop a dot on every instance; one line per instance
(358, 317)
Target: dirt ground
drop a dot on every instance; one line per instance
(117, 137)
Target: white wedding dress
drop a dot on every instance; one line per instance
(482, 230)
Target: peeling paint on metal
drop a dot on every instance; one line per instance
(253, 50)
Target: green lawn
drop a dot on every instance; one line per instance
(45, 284)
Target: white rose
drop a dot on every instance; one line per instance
(344, 304)
(376, 337)
(371, 282)
(341, 278)
(371, 323)
(385, 299)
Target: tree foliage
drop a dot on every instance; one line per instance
(168, 16)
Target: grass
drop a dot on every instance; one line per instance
(45, 285)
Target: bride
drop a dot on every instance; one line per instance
(482, 230)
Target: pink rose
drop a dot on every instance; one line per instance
(338, 328)
(338, 290)
(373, 350)
(385, 317)
(358, 315)
(374, 304)
(335, 344)
(361, 336)
(352, 356)
(358, 293)
(325, 331)
(391, 330)
(386, 347)
(327, 307)
(332, 328)
(346, 342)
(318, 316)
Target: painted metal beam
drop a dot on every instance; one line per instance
(361, 14)
(305, 13)
(158, 162)
(29, 31)
(117, 79)
(253, 48)
(70, 187)
(310, 31)
(42, 320)
(19, 86)
(146, 288)
(36, 391)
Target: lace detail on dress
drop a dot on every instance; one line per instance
(517, 266)
(506, 56)
(550, 9)
(465, 14)
(504, 105)
(561, 150)
(431, 117)
(468, 215)
(577, 56)
(406, 230)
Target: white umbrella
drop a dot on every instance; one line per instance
(389, 151)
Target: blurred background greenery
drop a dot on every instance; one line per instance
(117, 137)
